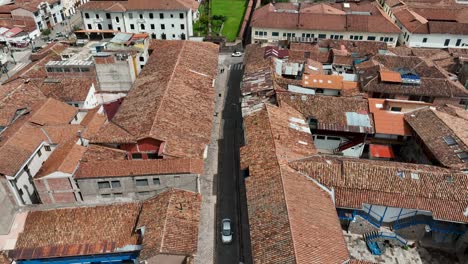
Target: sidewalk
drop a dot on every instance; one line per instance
(206, 230)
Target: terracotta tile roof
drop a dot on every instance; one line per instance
(390, 76)
(360, 48)
(332, 112)
(171, 222)
(122, 6)
(4, 259)
(64, 159)
(179, 110)
(53, 112)
(381, 151)
(257, 82)
(432, 125)
(280, 201)
(254, 59)
(59, 134)
(434, 20)
(433, 81)
(401, 185)
(329, 17)
(126, 168)
(102, 153)
(72, 232)
(388, 122)
(69, 232)
(66, 89)
(93, 121)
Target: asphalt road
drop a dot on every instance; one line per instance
(229, 202)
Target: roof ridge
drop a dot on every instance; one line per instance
(282, 179)
(167, 86)
(165, 220)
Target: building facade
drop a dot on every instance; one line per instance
(46, 14)
(311, 22)
(156, 19)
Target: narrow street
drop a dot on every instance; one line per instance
(229, 202)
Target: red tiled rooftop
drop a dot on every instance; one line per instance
(381, 151)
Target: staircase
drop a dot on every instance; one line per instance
(349, 144)
(375, 235)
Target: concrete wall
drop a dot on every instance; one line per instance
(116, 77)
(124, 22)
(129, 191)
(328, 143)
(415, 232)
(166, 259)
(282, 35)
(7, 207)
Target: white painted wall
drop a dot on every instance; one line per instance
(23, 181)
(282, 35)
(91, 99)
(329, 143)
(130, 21)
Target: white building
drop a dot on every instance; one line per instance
(165, 19)
(45, 13)
(308, 22)
(423, 25)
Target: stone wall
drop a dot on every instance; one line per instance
(361, 226)
(415, 232)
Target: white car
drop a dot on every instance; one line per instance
(236, 54)
(226, 231)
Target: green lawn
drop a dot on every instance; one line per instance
(234, 11)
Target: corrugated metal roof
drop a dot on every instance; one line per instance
(360, 120)
(121, 37)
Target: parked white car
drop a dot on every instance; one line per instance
(236, 54)
(226, 231)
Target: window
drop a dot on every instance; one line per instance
(447, 42)
(181, 15)
(163, 36)
(319, 90)
(118, 195)
(275, 34)
(97, 16)
(151, 16)
(371, 38)
(142, 26)
(152, 26)
(161, 15)
(105, 195)
(153, 36)
(322, 36)
(86, 15)
(395, 109)
(103, 185)
(464, 101)
(458, 42)
(141, 182)
(173, 36)
(136, 156)
(182, 36)
(117, 19)
(450, 141)
(172, 15)
(141, 16)
(132, 26)
(115, 184)
(386, 39)
(143, 193)
(391, 39)
(156, 181)
(130, 15)
(84, 69)
(334, 138)
(152, 155)
(109, 26)
(142, 58)
(320, 137)
(99, 26)
(47, 148)
(163, 26)
(381, 38)
(89, 26)
(172, 25)
(108, 16)
(39, 153)
(424, 40)
(182, 26)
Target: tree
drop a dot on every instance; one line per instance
(46, 32)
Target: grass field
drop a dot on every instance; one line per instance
(234, 11)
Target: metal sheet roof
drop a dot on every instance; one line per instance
(121, 37)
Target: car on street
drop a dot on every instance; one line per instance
(236, 54)
(36, 49)
(226, 231)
